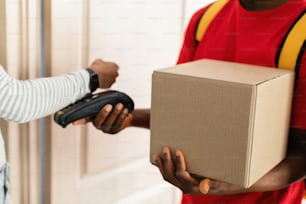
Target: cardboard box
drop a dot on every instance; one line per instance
(230, 120)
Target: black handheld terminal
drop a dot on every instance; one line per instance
(90, 106)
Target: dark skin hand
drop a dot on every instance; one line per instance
(292, 169)
(107, 72)
(112, 120)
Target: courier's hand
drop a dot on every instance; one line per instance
(174, 171)
(107, 72)
(112, 119)
(290, 170)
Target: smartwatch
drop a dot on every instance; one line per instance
(93, 80)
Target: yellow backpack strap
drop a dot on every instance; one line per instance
(291, 51)
(207, 18)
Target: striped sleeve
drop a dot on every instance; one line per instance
(25, 100)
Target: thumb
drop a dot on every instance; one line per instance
(204, 186)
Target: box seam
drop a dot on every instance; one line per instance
(251, 138)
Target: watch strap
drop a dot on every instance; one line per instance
(93, 80)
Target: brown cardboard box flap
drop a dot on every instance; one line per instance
(232, 72)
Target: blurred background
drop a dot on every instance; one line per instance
(80, 165)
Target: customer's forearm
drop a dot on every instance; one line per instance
(24, 100)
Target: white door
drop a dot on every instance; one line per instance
(86, 165)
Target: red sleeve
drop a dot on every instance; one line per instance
(189, 45)
(298, 119)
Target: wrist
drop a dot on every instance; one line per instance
(93, 80)
(140, 118)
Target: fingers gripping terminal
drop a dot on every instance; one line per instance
(90, 106)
